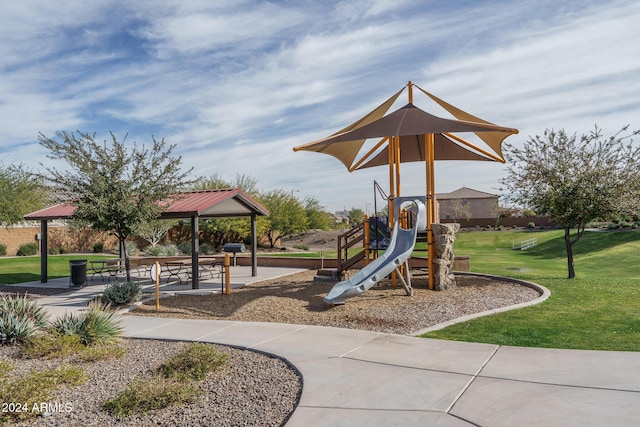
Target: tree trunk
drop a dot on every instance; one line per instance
(569, 245)
(127, 262)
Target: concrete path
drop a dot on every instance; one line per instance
(360, 378)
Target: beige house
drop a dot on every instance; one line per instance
(466, 203)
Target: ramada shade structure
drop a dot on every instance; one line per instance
(194, 205)
(410, 134)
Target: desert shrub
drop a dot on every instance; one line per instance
(97, 353)
(531, 225)
(131, 248)
(51, 345)
(145, 394)
(170, 250)
(122, 293)
(154, 251)
(35, 387)
(97, 325)
(488, 227)
(28, 249)
(5, 367)
(205, 248)
(3, 249)
(98, 247)
(193, 362)
(185, 247)
(54, 251)
(64, 250)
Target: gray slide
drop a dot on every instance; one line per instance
(399, 250)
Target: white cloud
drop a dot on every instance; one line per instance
(237, 84)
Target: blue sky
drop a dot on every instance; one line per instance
(236, 84)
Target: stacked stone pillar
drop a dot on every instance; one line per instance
(444, 235)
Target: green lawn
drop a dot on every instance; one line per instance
(27, 269)
(599, 309)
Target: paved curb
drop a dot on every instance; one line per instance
(544, 294)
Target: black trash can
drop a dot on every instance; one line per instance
(78, 272)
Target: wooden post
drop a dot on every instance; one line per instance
(227, 274)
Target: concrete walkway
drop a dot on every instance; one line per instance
(360, 378)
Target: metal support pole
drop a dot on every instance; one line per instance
(195, 248)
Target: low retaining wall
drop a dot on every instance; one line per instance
(460, 263)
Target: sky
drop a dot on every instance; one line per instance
(236, 84)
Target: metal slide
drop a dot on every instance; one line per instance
(399, 250)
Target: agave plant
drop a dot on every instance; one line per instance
(14, 328)
(22, 307)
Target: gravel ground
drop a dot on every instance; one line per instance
(254, 389)
(32, 293)
(298, 299)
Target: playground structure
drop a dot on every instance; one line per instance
(396, 254)
(408, 134)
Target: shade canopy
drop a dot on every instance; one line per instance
(410, 123)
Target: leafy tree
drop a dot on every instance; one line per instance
(316, 216)
(286, 215)
(356, 216)
(21, 192)
(575, 180)
(113, 188)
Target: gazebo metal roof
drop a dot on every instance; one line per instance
(205, 203)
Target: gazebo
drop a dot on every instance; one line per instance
(194, 205)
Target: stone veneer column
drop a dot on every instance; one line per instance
(443, 237)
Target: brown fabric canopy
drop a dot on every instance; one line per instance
(413, 151)
(411, 124)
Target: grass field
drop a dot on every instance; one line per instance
(599, 309)
(27, 269)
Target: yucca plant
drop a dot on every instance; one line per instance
(122, 293)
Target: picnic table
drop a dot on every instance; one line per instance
(175, 268)
(111, 266)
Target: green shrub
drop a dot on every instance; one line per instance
(145, 394)
(98, 247)
(185, 247)
(170, 250)
(97, 353)
(54, 251)
(63, 250)
(205, 249)
(28, 249)
(35, 387)
(5, 367)
(154, 251)
(531, 225)
(131, 248)
(193, 362)
(52, 345)
(122, 293)
(97, 325)
(3, 249)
